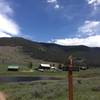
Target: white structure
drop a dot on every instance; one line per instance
(45, 66)
(13, 68)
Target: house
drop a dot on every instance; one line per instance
(13, 68)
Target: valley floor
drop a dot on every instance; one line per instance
(86, 86)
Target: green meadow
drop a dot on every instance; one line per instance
(86, 86)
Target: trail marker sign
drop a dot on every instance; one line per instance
(70, 69)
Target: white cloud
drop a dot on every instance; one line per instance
(92, 41)
(7, 24)
(94, 3)
(57, 6)
(5, 8)
(89, 28)
(54, 3)
(3, 34)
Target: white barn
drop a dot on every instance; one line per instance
(13, 68)
(45, 66)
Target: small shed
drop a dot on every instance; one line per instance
(13, 68)
(45, 66)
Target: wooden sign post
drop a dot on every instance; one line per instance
(70, 78)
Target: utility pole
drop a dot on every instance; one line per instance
(70, 78)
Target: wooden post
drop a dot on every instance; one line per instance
(70, 78)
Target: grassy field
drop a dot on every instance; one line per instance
(52, 90)
(86, 86)
(35, 73)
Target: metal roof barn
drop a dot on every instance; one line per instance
(13, 68)
(45, 66)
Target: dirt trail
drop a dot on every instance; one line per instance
(2, 96)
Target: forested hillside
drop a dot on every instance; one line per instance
(16, 49)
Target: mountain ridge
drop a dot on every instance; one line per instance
(52, 52)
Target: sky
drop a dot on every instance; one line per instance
(64, 22)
